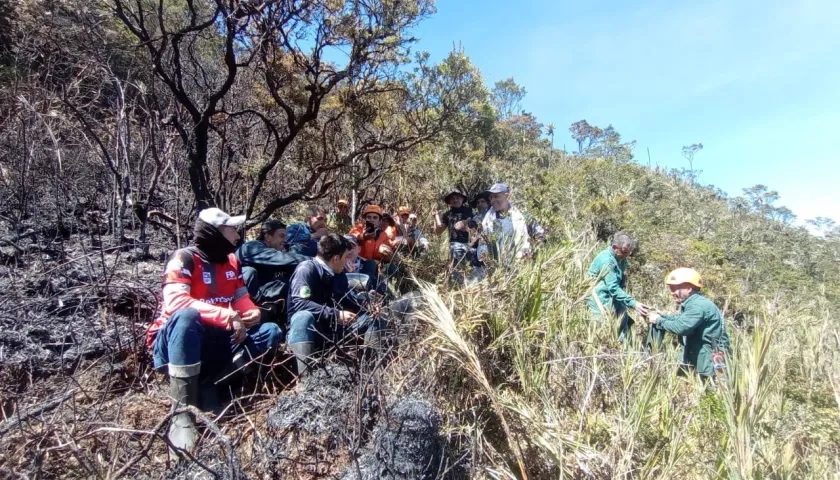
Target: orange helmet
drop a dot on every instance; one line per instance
(372, 209)
(403, 210)
(684, 275)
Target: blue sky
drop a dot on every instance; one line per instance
(757, 82)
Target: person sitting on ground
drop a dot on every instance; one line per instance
(267, 268)
(481, 204)
(418, 243)
(456, 221)
(299, 240)
(317, 315)
(303, 237)
(377, 249)
(402, 220)
(507, 232)
(339, 220)
(373, 238)
(391, 228)
(208, 325)
(700, 322)
(356, 291)
(608, 297)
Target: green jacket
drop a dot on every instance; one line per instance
(701, 323)
(610, 288)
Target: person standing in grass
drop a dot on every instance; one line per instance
(699, 322)
(508, 233)
(455, 220)
(608, 296)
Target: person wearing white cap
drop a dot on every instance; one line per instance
(208, 327)
(507, 230)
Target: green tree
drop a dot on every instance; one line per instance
(507, 97)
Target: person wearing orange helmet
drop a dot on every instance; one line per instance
(699, 322)
(372, 235)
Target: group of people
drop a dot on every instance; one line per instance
(225, 309)
(495, 229)
(699, 323)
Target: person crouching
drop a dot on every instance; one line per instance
(319, 312)
(208, 323)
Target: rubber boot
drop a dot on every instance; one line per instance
(182, 431)
(374, 346)
(235, 369)
(303, 356)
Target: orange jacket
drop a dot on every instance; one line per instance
(369, 247)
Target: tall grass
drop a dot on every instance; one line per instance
(552, 394)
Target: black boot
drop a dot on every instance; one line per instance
(182, 431)
(303, 356)
(374, 345)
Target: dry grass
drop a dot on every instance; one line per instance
(551, 394)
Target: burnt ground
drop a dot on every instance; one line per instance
(79, 399)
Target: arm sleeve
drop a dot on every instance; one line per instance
(304, 283)
(682, 324)
(535, 230)
(358, 231)
(256, 253)
(613, 284)
(241, 299)
(444, 224)
(177, 296)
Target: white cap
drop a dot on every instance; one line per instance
(217, 218)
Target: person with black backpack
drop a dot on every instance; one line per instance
(267, 269)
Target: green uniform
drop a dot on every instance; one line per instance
(701, 323)
(610, 287)
(338, 223)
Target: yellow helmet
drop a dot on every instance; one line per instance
(684, 275)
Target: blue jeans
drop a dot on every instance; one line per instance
(188, 347)
(304, 327)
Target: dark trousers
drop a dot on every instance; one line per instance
(188, 347)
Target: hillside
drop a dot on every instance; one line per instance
(117, 124)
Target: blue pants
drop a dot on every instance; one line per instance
(304, 327)
(189, 347)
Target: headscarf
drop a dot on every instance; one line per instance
(211, 243)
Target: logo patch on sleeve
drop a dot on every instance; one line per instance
(230, 275)
(207, 278)
(305, 292)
